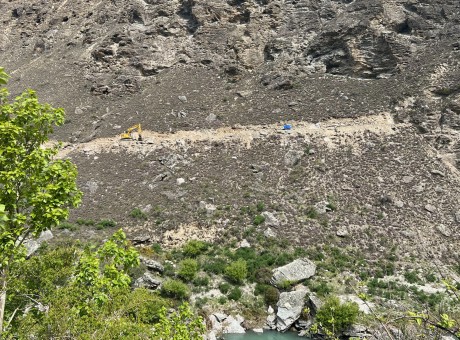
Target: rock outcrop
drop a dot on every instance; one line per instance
(296, 271)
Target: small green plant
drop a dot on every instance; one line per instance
(193, 248)
(237, 271)
(103, 224)
(188, 269)
(258, 220)
(411, 277)
(82, 221)
(224, 287)
(335, 316)
(312, 213)
(175, 289)
(138, 214)
(235, 294)
(201, 281)
(260, 206)
(271, 296)
(67, 225)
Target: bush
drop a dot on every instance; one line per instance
(335, 316)
(237, 271)
(188, 269)
(202, 281)
(258, 219)
(81, 221)
(224, 287)
(235, 294)
(67, 225)
(271, 296)
(215, 266)
(138, 214)
(194, 248)
(175, 289)
(106, 224)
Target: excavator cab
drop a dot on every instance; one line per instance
(132, 132)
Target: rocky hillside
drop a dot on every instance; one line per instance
(370, 87)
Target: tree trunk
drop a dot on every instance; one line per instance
(2, 298)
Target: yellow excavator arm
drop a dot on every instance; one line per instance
(129, 133)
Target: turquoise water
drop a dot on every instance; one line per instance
(267, 335)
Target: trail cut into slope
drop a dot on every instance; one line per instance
(335, 132)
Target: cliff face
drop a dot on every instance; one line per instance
(186, 65)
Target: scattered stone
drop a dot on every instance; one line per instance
(430, 208)
(357, 331)
(183, 99)
(220, 316)
(210, 208)
(258, 330)
(444, 230)
(141, 239)
(457, 216)
(290, 307)
(314, 303)
(152, 265)
(438, 173)
(364, 307)
(33, 244)
(269, 233)
(244, 244)
(232, 325)
(270, 310)
(271, 321)
(211, 118)
(244, 94)
(399, 204)
(342, 232)
(180, 181)
(147, 281)
(292, 157)
(270, 219)
(296, 271)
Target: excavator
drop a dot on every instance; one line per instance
(130, 133)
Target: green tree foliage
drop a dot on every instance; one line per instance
(188, 269)
(37, 190)
(180, 325)
(60, 290)
(193, 248)
(175, 289)
(335, 317)
(100, 272)
(237, 271)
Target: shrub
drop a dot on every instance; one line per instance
(336, 316)
(260, 206)
(202, 281)
(258, 219)
(138, 214)
(215, 266)
(237, 271)
(193, 248)
(235, 294)
(224, 287)
(188, 269)
(175, 289)
(411, 277)
(67, 225)
(263, 275)
(106, 224)
(81, 221)
(271, 296)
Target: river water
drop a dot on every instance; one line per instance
(267, 335)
